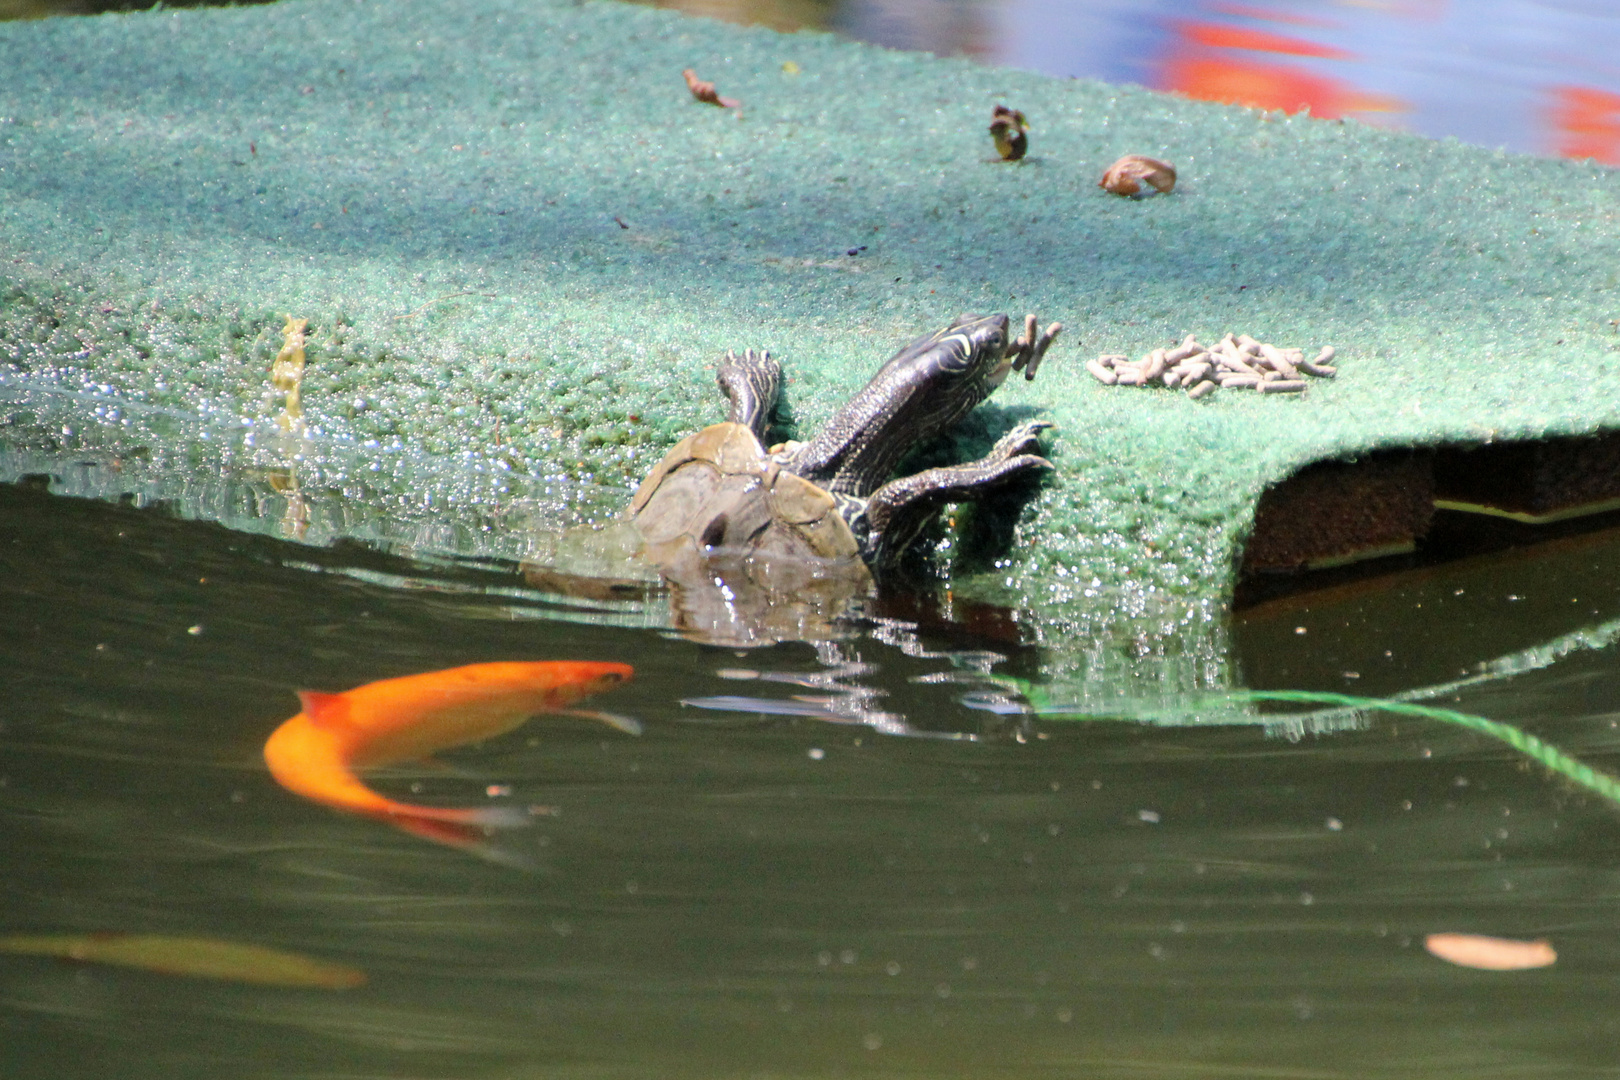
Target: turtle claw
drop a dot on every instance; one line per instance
(898, 510)
(1023, 439)
(1028, 350)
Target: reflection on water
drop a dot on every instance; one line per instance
(753, 893)
(1537, 76)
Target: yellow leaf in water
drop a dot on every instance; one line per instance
(204, 958)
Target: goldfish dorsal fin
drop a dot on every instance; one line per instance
(323, 709)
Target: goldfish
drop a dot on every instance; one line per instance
(198, 957)
(318, 753)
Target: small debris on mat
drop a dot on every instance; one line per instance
(1236, 362)
(705, 92)
(1007, 128)
(1126, 176)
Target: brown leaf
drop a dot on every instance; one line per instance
(1125, 176)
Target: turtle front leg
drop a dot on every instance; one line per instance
(898, 511)
(751, 382)
(1028, 350)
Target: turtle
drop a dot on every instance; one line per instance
(830, 509)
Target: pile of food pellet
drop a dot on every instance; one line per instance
(1237, 361)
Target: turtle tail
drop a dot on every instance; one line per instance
(752, 383)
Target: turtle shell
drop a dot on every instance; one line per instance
(719, 491)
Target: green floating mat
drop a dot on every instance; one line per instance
(521, 246)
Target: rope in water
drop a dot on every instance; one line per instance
(1537, 749)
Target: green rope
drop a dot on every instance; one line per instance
(1536, 749)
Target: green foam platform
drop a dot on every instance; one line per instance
(522, 246)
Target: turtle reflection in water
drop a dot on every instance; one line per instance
(762, 545)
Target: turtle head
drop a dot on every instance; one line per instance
(923, 389)
(972, 355)
(936, 380)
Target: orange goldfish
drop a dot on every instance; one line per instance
(316, 753)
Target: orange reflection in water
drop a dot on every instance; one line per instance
(1221, 36)
(1201, 64)
(1268, 86)
(1586, 123)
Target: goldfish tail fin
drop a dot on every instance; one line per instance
(627, 724)
(459, 828)
(472, 839)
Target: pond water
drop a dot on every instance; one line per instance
(745, 894)
(1536, 76)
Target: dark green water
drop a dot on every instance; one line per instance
(735, 895)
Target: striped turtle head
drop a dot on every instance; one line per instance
(973, 351)
(938, 379)
(924, 388)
